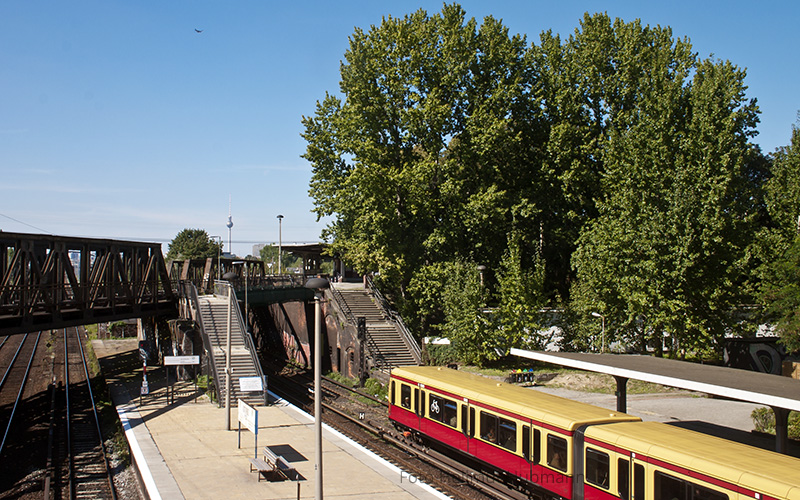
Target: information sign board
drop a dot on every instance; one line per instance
(181, 360)
(250, 384)
(248, 416)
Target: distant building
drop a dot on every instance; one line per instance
(257, 249)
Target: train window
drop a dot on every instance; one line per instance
(464, 426)
(526, 442)
(418, 408)
(623, 478)
(405, 396)
(537, 446)
(597, 468)
(488, 427)
(472, 422)
(391, 392)
(638, 482)
(450, 413)
(557, 452)
(669, 488)
(507, 434)
(703, 493)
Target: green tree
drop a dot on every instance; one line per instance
(416, 161)
(193, 244)
(780, 242)
(269, 255)
(431, 155)
(668, 250)
(521, 297)
(467, 324)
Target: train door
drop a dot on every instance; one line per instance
(527, 448)
(638, 486)
(419, 406)
(630, 479)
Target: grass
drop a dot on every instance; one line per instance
(574, 379)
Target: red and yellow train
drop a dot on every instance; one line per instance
(561, 448)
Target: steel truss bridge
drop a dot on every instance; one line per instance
(49, 282)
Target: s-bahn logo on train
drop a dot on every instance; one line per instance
(434, 406)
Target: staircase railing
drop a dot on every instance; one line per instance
(371, 347)
(406, 335)
(189, 291)
(343, 306)
(248, 340)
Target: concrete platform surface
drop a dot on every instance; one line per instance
(184, 451)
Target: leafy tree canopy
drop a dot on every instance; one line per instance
(193, 244)
(611, 169)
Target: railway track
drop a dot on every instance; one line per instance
(363, 418)
(53, 445)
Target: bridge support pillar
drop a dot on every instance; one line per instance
(622, 393)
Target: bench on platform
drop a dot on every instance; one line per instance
(279, 464)
(257, 464)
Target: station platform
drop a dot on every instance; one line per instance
(182, 450)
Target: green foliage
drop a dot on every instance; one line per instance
(764, 421)
(338, 377)
(193, 244)
(611, 170)
(780, 245)
(521, 291)
(269, 254)
(374, 388)
(469, 328)
(439, 354)
(668, 249)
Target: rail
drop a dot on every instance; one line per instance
(405, 334)
(248, 340)
(189, 290)
(371, 348)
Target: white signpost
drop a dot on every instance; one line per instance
(249, 417)
(177, 361)
(181, 360)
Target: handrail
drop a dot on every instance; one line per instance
(405, 334)
(194, 306)
(343, 306)
(248, 341)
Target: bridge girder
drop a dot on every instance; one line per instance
(56, 281)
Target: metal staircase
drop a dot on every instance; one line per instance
(388, 344)
(212, 317)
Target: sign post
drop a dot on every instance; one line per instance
(249, 417)
(177, 361)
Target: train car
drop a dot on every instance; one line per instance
(526, 434)
(656, 461)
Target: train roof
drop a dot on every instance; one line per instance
(556, 411)
(760, 470)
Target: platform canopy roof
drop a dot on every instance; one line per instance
(743, 385)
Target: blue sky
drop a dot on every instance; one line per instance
(118, 120)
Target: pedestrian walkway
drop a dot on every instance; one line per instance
(182, 450)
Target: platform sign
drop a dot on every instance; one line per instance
(250, 384)
(181, 360)
(248, 416)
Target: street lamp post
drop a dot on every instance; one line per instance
(318, 285)
(228, 356)
(481, 269)
(280, 242)
(603, 336)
